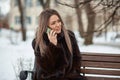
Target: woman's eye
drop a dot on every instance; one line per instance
(53, 23)
(58, 21)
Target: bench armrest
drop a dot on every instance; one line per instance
(24, 74)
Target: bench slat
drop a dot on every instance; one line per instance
(101, 58)
(101, 72)
(101, 78)
(101, 64)
(100, 54)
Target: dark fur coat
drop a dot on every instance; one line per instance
(58, 63)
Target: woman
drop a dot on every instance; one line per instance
(57, 55)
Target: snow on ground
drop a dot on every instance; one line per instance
(101, 44)
(11, 52)
(12, 49)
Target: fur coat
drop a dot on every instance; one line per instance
(58, 63)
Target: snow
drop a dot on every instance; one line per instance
(101, 44)
(13, 51)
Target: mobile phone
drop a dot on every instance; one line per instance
(48, 30)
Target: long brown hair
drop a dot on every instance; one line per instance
(43, 23)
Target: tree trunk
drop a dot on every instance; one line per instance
(91, 24)
(80, 24)
(22, 19)
(45, 4)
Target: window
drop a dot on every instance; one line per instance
(28, 3)
(15, 3)
(37, 2)
(37, 20)
(17, 20)
(28, 20)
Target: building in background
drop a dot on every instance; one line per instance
(69, 16)
(32, 11)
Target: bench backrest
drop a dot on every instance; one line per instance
(101, 66)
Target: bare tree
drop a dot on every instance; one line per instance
(78, 12)
(91, 23)
(45, 3)
(88, 36)
(22, 19)
(111, 6)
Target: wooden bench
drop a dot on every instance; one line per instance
(101, 66)
(95, 66)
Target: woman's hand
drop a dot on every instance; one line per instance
(52, 36)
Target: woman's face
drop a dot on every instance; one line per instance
(55, 23)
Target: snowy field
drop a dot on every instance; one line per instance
(13, 51)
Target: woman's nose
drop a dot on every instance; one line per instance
(57, 24)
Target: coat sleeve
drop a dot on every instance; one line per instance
(33, 46)
(76, 53)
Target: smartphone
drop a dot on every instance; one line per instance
(48, 30)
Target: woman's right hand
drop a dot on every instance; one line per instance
(52, 36)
